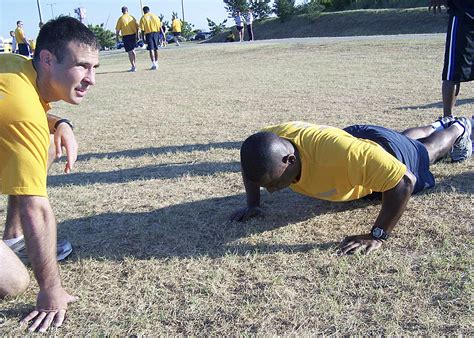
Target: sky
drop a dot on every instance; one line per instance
(104, 11)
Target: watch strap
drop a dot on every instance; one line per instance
(58, 122)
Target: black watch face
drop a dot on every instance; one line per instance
(377, 232)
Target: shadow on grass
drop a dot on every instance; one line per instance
(439, 104)
(192, 229)
(161, 150)
(462, 183)
(159, 171)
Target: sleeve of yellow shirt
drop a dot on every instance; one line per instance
(372, 167)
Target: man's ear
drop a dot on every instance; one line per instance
(46, 58)
(289, 159)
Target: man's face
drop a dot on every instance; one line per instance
(277, 180)
(71, 78)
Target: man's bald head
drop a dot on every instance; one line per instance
(262, 153)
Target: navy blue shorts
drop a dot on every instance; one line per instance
(152, 40)
(129, 42)
(410, 152)
(459, 50)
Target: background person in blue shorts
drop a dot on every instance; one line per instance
(459, 51)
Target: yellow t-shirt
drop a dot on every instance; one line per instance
(127, 25)
(19, 35)
(24, 132)
(176, 26)
(336, 166)
(150, 23)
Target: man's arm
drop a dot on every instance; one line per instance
(63, 137)
(394, 202)
(39, 227)
(252, 191)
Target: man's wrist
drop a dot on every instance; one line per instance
(58, 122)
(379, 234)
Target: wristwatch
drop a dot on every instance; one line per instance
(379, 233)
(58, 122)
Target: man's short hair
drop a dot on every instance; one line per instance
(55, 35)
(146, 9)
(18, 22)
(124, 9)
(258, 155)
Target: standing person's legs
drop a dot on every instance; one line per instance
(458, 60)
(14, 278)
(250, 32)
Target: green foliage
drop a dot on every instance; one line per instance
(215, 28)
(106, 38)
(261, 8)
(232, 6)
(187, 30)
(310, 7)
(284, 9)
(338, 5)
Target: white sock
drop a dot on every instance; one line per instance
(13, 241)
(460, 127)
(437, 125)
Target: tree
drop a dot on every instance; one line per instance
(284, 9)
(106, 38)
(232, 6)
(261, 8)
(215, 28)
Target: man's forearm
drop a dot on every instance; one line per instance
(394, 202)
(252, 191)
(52, 119)
(39, 227)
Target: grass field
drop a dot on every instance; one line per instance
(158, 176)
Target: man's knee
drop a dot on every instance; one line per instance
(15, 283)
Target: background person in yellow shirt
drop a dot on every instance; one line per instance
(63, 68)
(22, 42)
(127, 26)
(176, 29)
(341, 165)
(150, 25)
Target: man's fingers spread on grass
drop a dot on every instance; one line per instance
(58, 320)
(47, 321)
(37, 322)
(30, 316)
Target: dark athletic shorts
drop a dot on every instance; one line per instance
(176, 34)
(152, 40)
(410, 152)
(459, 50)
(129, 42)
(239, 28)
(23, 49)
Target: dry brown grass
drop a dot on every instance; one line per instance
(147, 205)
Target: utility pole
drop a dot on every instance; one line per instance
(39, 10)
(182, 8)
(52, 12)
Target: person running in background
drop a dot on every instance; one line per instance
(23, 47)
(239, 24)
(176, 25)
(342, 165)
(150, 25)
(127, 26)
